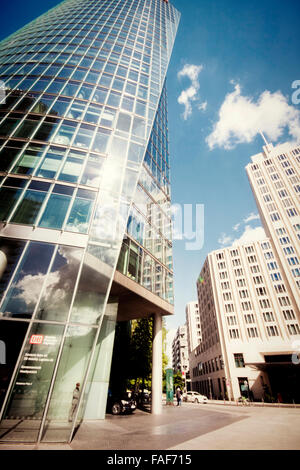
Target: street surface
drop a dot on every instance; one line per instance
(189, 427)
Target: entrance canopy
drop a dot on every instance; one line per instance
(135, 301)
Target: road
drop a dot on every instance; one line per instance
(189, 427)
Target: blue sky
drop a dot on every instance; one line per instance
(245, 48)
(240, 57)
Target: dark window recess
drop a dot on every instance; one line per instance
(239, 360)
(7, 157)
(9, 101)
(28, 210)
(25, 103)
(39, 185)
(26, 129)
(279, 358)
(8, 126)
(8, 198)
(15, 182)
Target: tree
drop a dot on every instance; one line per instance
(132, 356)
(165, 359)
(141, 351)
(178, 380)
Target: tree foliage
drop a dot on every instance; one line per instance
(132, 356)
(141, 350)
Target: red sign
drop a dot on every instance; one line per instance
(36, 339)
(182, 374)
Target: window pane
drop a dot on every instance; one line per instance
(8, 198)
(11, 251)
(42, 106)
(85, 92)
(58, 289)
(123, 259)
(71, 169)
(25, 103)
(41, 84)
(124, 122)
(84, 138)
(133, 265)
(108, 117)
(55, 86)
(55, 212)
(7, 127)
(45, 131)
(26, 129)
(100, 95)
(92, 172)
(29, 207)
(127, 103)
(50, 165)
(30, 391)
(70, 89)
(90, 296)
(24, 291)
(138, 127)
(93, 113)
(7, 156)
(64, 135)
(76, 110)
(80, 216)
(12, 334)
(60, 107)
(114, 99)
(100, 142)
(72, 368)
(28, 161)
(136, 153)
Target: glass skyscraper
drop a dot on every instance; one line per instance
(85, 223)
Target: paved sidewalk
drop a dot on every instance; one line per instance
(189, 427)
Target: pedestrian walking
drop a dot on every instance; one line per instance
(178, 396)
(75, 399)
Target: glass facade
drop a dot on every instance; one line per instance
(84, 189)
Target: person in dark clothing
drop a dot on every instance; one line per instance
(178, 396)
(75, 400)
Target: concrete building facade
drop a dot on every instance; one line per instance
(274, 176)
(249, 327)
(180, 357)
(193, 325)
(248, 295)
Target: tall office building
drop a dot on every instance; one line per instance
(84, 187)
(275, 182)
(180, 356)
(193, 325)
(249, 326)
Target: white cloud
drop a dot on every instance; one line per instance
(202, 106)
(250, 217)
(240, 119)
(250, 235)
(224, 239)
(236, 227)
(189, 95)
